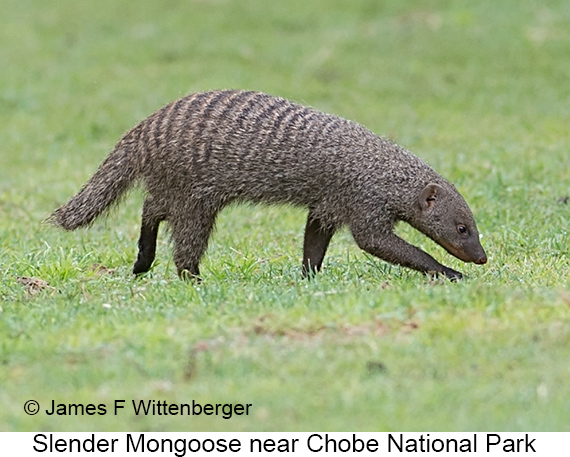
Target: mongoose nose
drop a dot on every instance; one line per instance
(482, 260)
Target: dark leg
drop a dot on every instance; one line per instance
(317, 238)
(151, 219)
(393, 249)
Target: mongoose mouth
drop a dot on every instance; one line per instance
(462, 255)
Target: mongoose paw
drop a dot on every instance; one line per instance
(308, 273)
(188, 276)
(140, 268)
(453, 275)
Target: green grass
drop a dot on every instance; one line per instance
(478, 89)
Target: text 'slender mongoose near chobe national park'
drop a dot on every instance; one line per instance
(207, 150)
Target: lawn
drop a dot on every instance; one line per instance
(477, 89)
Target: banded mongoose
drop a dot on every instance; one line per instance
(207, 150)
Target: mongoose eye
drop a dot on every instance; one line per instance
(462, 229)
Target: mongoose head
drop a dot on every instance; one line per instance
(443, 215)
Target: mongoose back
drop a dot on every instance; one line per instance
(207, 150)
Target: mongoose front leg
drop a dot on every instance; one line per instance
(393, 249)
(317, 238)
(147, 240)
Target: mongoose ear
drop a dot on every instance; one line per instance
(429, 195)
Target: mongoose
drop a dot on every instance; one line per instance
(207, 150)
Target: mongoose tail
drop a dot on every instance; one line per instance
(112, 179)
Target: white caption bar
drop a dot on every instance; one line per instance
(183, 444)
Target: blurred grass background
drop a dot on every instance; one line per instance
(478, 89)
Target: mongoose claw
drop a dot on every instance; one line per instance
(453, 275)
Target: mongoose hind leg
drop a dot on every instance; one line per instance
(316, 242)
(190, 232)
(151, 219)
(393, 249)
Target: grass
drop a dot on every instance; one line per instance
(479, 90)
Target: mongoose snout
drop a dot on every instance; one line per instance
(206, 150)
(474, 253)
(482, 260)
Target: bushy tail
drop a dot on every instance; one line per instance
(111, 180)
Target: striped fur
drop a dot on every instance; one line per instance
(204, 151)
